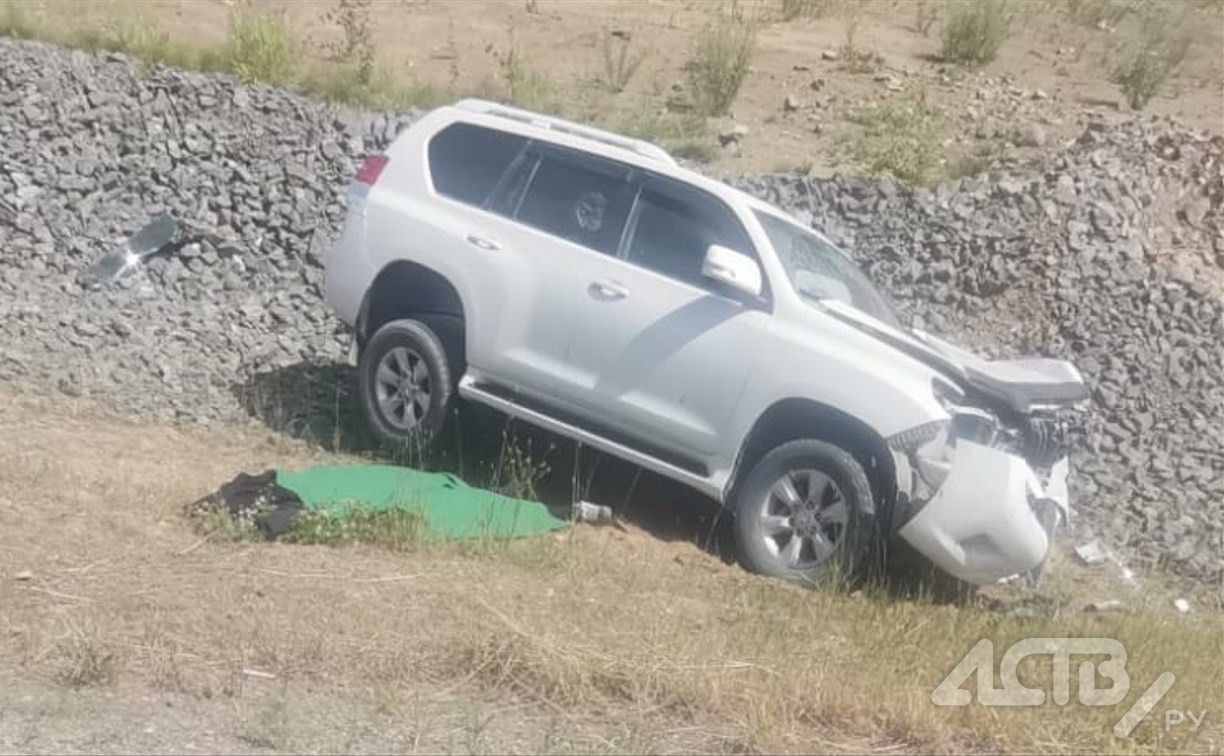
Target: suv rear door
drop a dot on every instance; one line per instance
(554, 213)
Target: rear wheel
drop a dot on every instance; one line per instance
(804, 514)
(404, 384)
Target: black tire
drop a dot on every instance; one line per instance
(835, 543)
(411, 352)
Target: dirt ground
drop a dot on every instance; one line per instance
(123, 629)
(1051, 74)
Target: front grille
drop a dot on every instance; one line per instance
(1043, 441)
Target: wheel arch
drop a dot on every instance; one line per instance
(795, 418)
(405, 289)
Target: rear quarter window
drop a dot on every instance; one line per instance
(466, 161)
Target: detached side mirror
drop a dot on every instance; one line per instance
(729, 267)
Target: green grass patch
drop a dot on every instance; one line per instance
(899, 139)
(260, 49)
(685, 135)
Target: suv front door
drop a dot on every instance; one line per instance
(658, 351)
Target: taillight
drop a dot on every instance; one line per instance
(371, 168)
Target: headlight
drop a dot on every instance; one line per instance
(972, 424)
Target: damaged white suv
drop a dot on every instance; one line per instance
(588, 284)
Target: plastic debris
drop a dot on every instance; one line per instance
(258, 673)
(593, 514)
(1092, 553)
(1109, 605)
(1181, 605)
(24, 576)
(154, 237)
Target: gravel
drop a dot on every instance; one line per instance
(1110, 254)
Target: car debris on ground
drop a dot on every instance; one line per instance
(1092, 553)
(154, 237)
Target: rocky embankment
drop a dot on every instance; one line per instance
(1111, 253)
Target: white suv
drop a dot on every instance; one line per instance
(588, 284)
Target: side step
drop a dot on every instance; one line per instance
(469, 389)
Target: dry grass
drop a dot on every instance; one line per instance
(793, 9)
(974, 31)
(660, 637)
(1152, 55)
(721, 61)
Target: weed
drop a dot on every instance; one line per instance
(720, 65)
(260, 49)
(88, 661)
(350, 84)
(222, 526)
(927, 13)
(15, 23)
(855, 59)
(393, 529)
(1101, 14)
(899, 139)
(357, 47)
(792, 9)
(143, 40)
(525, 87)
(618, 63)
(1152, 55)
(683, 135)
(516, 472)
(975, 30)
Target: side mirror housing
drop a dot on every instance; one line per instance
(729, 267)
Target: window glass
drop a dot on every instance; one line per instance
(674, 229)
(466, 161)
(507, 196)
(583, 205)
(818, 270)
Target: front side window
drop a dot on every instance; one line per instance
(819, 271)
(467, 161)
(674, 229)
(576, 202)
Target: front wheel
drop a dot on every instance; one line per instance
(404, 384)
(804, 514)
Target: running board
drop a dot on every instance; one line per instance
(469, 389)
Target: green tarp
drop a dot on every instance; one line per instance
(450, 508)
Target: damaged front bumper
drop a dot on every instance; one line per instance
(990, 516)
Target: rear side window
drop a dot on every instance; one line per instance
(467, 161)
(581, 203)
(674, 228)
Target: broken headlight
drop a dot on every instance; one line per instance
(931, 446)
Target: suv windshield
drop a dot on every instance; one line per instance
(818, 270)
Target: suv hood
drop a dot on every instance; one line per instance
(1023, 386)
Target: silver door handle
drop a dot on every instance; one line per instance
(609, 289)
(483, 242)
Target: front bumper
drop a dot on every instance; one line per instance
(990, 518)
